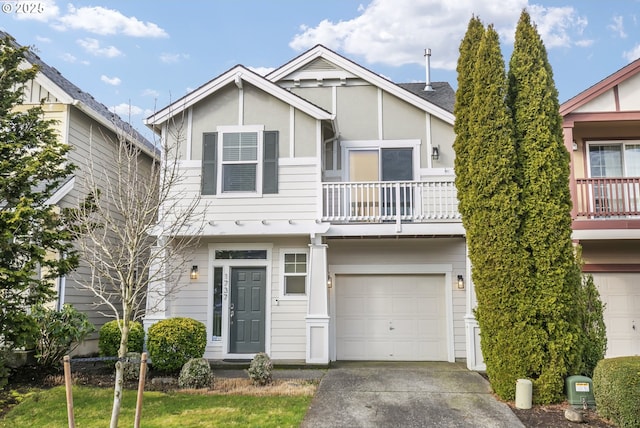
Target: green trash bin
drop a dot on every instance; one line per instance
(580, 392)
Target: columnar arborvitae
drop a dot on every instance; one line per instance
(462, 109)
(491, 217)
(553, 283)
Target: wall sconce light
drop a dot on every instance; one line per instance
(329, 282)
(435, 153)
(575, 145)
(460, 282)
(194, 272)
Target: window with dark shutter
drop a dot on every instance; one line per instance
(209, 159)
(270, 163)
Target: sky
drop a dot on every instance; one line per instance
(137, 56)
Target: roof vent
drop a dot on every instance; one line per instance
(427, 56)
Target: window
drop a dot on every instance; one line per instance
(620, 159)
(294, 273)
(245, 161)
(216, 328)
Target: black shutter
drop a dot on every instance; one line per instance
(270, 163)
(209, 157)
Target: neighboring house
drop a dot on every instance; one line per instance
(602, 134)
(331, 225)
(91, 130)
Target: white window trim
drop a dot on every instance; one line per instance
(293, 250)
(347, 146)
(621, 143)
(259, 129)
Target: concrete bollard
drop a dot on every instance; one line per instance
(524, 392)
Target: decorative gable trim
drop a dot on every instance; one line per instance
(600, 88)
(236, 75)
(299, 65)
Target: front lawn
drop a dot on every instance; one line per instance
(92, 408)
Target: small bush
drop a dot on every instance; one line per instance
(594, 331)
(616, 388)
(174, 341)
(4, 370)
(109, 341)
(260, 369)
(196, 373)
(60, 332)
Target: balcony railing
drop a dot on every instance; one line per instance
(390, 201)
(608, 197)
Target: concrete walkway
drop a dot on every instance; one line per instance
(406, 395)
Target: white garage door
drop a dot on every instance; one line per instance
(391, 317)
(621, 294)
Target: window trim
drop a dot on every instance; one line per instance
(259, 130)
(621, 143)
(293, 250)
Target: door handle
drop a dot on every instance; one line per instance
(233, 313)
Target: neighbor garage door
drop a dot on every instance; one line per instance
(621, 294)
(391, 317)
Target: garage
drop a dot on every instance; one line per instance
(620, 292)
(391, 317)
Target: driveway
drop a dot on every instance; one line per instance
(405, 395)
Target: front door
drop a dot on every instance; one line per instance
(247, 310)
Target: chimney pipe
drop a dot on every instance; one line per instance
(427, 55)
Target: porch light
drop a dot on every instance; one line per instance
(194, 272)
(460, 282)
(435, 153)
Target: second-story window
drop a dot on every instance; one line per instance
(240, 160)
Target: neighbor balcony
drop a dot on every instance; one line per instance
(608, 198)
(427, 201)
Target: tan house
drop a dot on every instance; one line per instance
(602, 134)
(331, 223)
(91, 130)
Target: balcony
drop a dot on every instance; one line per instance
(608, 198)
(391, 201)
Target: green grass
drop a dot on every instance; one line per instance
(92, 408)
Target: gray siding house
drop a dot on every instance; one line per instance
(92, 131)
(331, 223)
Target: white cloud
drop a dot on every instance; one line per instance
(93, 47)
(43, 39)
(262, 71)
(632, 54)
(150, 93)
(41, 10)
(396, 32)
(103, 21)
(127, 110)
(170, 58)
(114, 81)
(67, 57)
(618, 26)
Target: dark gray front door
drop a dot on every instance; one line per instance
(246, 315)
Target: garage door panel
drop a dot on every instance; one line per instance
(398, 317)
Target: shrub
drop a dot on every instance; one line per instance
(174, 341)
(131, 366)
(60, 332)
(616, 388)
(109, 341)
(593, 328)
(260, 369)
(4, 370)
(196, 373)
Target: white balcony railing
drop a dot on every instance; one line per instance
(608, 197)
(385, 201)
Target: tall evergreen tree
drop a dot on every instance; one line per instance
(462, 108)
(33, 237)
(491, 215)
(554, 281)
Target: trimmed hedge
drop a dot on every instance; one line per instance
(109, 340)
(616, 388)
(174, 341)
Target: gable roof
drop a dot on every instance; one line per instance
(68, 93)
(409, 95)
(442, 95)
(236, 75)
(600, 88)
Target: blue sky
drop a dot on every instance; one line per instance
(135, 56)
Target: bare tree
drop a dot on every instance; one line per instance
(134, 229)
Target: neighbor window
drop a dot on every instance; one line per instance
(295, 274)
(240, 160)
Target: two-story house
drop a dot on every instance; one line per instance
(92, 131)
(602, 134)
(331, 226)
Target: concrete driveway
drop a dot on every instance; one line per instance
(405, 395)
